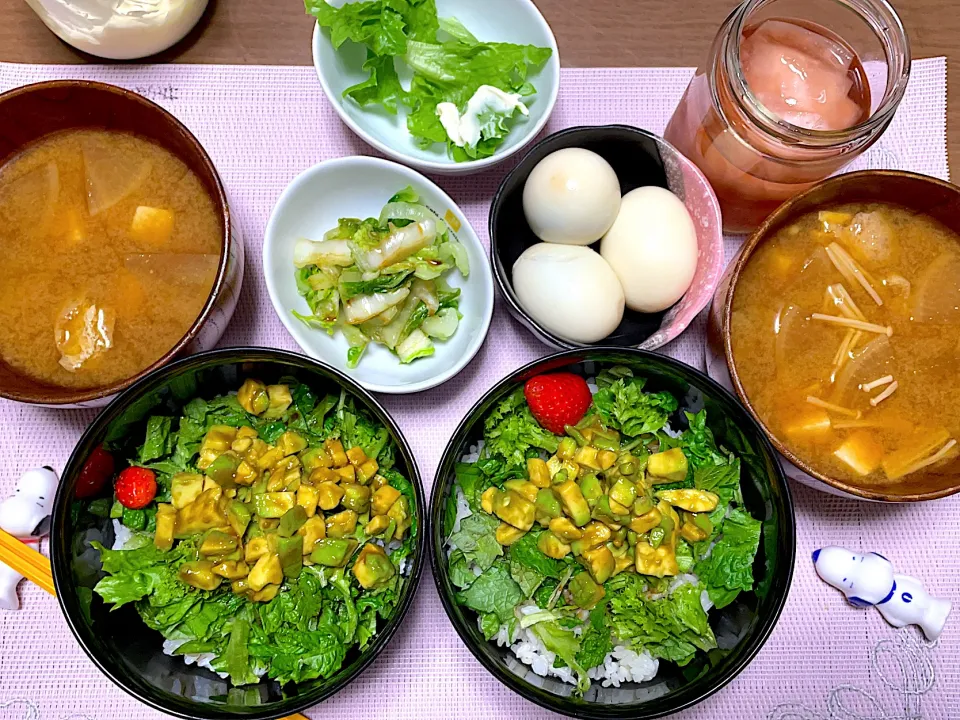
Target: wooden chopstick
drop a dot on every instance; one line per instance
(26, 561)
(36, 568)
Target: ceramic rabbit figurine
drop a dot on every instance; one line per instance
(24, 514)
(868, 580)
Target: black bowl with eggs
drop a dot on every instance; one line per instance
(639, 158)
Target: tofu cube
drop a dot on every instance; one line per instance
(152, 225)
(861, 452)
(806, 423)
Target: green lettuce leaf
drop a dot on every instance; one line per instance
(565, 644)
(525, 552)
(493, 592)
(729, 568)
(595, 641)
(624, 406)
(510, 431)
(526, 577)
(698, 444)
(671, 628)
(159, 441)
(476, 540)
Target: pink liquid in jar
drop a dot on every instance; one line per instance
(799, 72)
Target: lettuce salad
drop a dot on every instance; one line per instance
(279, 537)
(598, 554)
(450, 67)
(381, 279)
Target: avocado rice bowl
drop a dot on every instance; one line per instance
(598, 554)
(279, 540)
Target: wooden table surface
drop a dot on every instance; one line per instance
(597, 33)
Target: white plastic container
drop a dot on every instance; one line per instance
(120, 29)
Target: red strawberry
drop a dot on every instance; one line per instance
(94, 474)
(557, 399)
(136, 487)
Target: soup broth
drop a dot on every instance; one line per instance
(845, 333)
(109, 248)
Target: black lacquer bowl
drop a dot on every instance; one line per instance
(639, 159)
(119, 642)
(741, 627)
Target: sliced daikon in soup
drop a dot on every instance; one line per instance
(869, 238)
(173, 268)
(803, 348)
(937, 292)
(112, 170)
(29, 201)
(868, 362)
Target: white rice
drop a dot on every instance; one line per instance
(619, 666)
(121, 535)
(203, 660)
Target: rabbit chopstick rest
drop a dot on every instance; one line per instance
(24, 515)
(868, 580)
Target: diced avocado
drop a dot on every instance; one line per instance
(646, 522)
(522, 487)
(373, 568)
(399, 513)
(565, 530)
(513, 508)
(377, 524)
(599, 562)
(223, 470)
(658, 562)
(204, 513)
(604, 510)
(231, 569)
(670, 523)
(642, 505)
(566, 449)
(290, 552)
(383, 499)
(199, 574)
(238, 515)
(291, 443)
(292, 520)
(313, 458)
(356, 497)
(313, 531)
(538, 473)
(267, 594)
(307, 497)
(487, 498)
(691, 499)
(335, 449)
(185, 488)
(341, 524)
(619, 511)
(584, 591)
(508, 534)
(356, 456)
(606, 459)
(552, 546)
(667, 466)
(166, 527)
(623, 492)
(252, 397)
(217, 543)
(267, 571)
(591, 488)
(256, 548)
(332, 552)
(547, 505)
(594, 534)
(274, 504)
(215, 442)
(692, 533)
(574, 503)
(279, 399)
(330, 495)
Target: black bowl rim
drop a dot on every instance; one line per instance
(499, 272)
(60, 566)
(607, 712)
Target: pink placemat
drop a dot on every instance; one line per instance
(262, 126)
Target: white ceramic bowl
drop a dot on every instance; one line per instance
(513, 21)
(360, 186)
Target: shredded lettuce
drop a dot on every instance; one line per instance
(493, 592)
(447, 67)
(510, 431)
(624, 406)
(729, 568)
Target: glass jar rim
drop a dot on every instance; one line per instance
(881, 17)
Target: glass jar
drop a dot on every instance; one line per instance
(754, 158)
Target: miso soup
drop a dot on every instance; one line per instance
(845, 333)
(109, 248)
